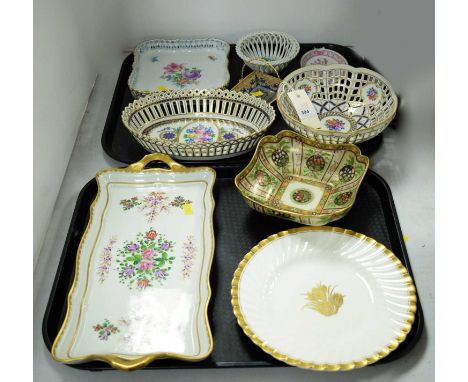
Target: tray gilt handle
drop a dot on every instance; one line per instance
(143, 162)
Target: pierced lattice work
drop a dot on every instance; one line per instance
(368, 96)
(213, 107)
(267, 51)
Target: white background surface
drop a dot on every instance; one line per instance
(76, 41)
(67, 58)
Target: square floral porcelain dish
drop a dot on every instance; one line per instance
(198, 124)
(141, 286)
(324, 298)
(353, 104)
(179, 64)
(297, 179)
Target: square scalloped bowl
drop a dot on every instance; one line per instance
(295, 178)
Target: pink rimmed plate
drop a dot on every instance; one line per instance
(322, 56)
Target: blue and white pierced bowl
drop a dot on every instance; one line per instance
(353, 104)
(267, 52)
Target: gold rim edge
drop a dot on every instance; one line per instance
(327, 146)
(114, 360)
(309, 365)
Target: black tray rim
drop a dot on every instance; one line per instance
(418, 323)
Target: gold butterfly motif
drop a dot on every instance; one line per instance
(323, 300)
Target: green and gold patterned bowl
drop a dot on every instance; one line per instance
(295, 178)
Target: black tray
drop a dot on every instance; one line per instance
(120, 145)
(237, 229)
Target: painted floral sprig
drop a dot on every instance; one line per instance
(156, 203)
(105, 260)
(180, 75)
(334, 124)
(180, 202)
(105, 330)
(199, 134)
(371, 93)
(145, 261)
(128, 204)
(188, 257)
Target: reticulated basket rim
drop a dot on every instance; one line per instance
(323, 146)
(294, 51)
(181, 41)
(283, 89)
(221, 94)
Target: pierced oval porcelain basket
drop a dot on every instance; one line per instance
(353, 104)
(198, 124)
(267, 51)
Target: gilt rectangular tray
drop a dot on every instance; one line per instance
(120, 145)
(141, 288)
(237, 229)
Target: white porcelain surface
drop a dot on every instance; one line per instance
(267, 51)
(403, 168)
(340, 92)
(322, 56)
(166, 313)
(368, 306)
(205, 124)
(88, 157)
(180, 64)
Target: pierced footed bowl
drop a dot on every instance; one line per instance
(353, 104)
(297, 179)
(267, 52)
(198, 124)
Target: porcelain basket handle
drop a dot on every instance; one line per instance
(143, 162)
(262, 60)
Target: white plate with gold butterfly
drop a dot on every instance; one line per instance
(324, 298)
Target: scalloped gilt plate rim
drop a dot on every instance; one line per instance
(393, 343)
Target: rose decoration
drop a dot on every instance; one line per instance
(146, 261)
(180, 75)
